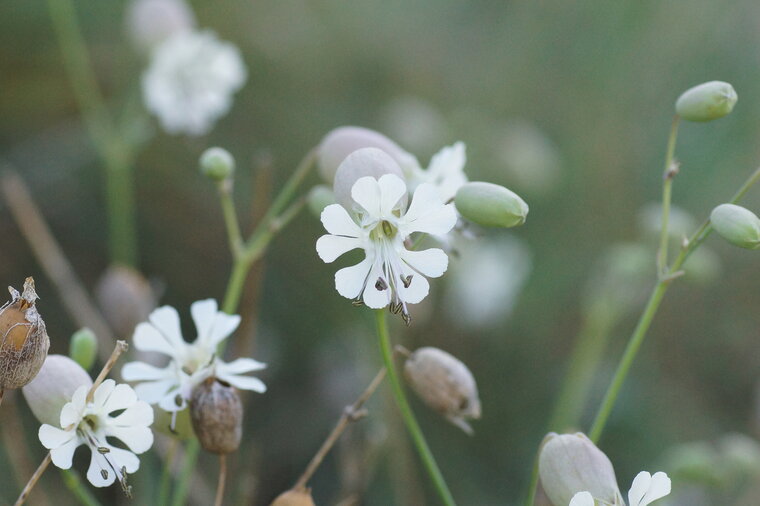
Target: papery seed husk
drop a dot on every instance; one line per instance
(217, 415)
(294, 498)
(445, 384)
(125, 297)
(53, 387)
(24, 341)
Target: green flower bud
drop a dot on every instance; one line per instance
(364, 162)
(737, 225)
(83, 347)
(320, 196)
(53, 387)
(707, 101)
(217, 164)
(571, 463)
(491, 205)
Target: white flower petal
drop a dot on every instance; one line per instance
(138, 439)
(97, 464)
(140, 371)
(222, 327)
(374, 298)
(53, 437)
(153, 392)
(416, 291)
(338, 222)
(431, 262)
(428, 214)
(147, 338)
(63, 455)
(126, 459)
(240, 366)
(176, 400)
(122, 397)
(103, 392)
(330, 247)
(166, 320)
(392, 190)
(582, 499)
(243, 382)
(446, 170)
(350, 281)
(72, 412)
(138, 414)
(647, 488)
(203, 313)
(366, 193)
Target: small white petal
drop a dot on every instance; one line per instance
(97, 464)
(446, 170)
(330, 247)
(147, 338)
(103, 392)
(203, 313)
(63, 455)
(431, 262)
(647, 488)
(153, 392)
(374, 298)
(240, 366)
(140, 371)
(428, 214)
(72, 412)
(222, 327)
(582, 499)
(338, 222)
(243, 382)
(126, 459)
(138, 414)
(416, 291)
(366, 193)
(176, 400)
(166, 320)
(138, 439)
(122, 397)
(53, 437)
(350, 281)
(392, 190)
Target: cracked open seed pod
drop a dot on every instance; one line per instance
(217, 415)
(295, 497)
(24, 341)
(445, 384)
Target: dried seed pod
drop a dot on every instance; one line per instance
(125, 297)
(295, 497)
(217, 415)
(53, 387)
(24, 341)
(445, 384)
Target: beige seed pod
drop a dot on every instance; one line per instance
(445, 384)
(295, 497)
(217, 415)
(125, 297)
(24, 341)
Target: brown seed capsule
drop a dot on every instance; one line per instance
(294, 498)
(217, 415)
(125, 297)
(445, 384)
(24, 341)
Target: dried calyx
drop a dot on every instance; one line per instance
(294, 497)
(217, 416)
(24, 341)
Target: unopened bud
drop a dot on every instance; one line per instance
(343, 141)
(217, 164)
(707, 101)
(737, 225)
(320, 196)
(125, 297)
(83, 347)
(364, 162)
(491, 205)
(445, 384)
(294, 498)
(217, 415)
(53, 387)
(24, 341)
(571, 463)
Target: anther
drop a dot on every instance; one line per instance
(103, 450)
(407, 280)
(381, 285)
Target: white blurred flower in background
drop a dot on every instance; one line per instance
(532, 160)
(445, 171)
(486, 279)
(415, 123)
(149, 22)
(190, 81)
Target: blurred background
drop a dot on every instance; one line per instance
(566, 103)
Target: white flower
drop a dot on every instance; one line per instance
(645, 489)
(190, 364)
(151, 21)
(190, 81)
(90, 423)
(390, 273)
(445, 172)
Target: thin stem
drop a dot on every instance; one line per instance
(634, 344)
(121, 347)
(222, 478)
(74, 484)
(183, 485)
(352, 413)
(2, 393)
(230, 219)
(671, 169)
(102, 130)
(166, 474)
(412, 426)
(33, 481)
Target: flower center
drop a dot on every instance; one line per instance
(384, 230)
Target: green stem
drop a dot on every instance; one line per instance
(74, 484)
(230, 219)
(183, 485)
(530, 497)
(406, 413)
(667, 189)
(108, 142)
(166, 474)
(634, 344)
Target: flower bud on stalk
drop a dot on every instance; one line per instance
(217, 164)
(364, 162)
(217, 415)
(571, 463)
(737, 225)
(491, 205)
(83, 348)
(707, 101)
(445, 384)
(294, 498)
(53, 387)
(24, 341)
